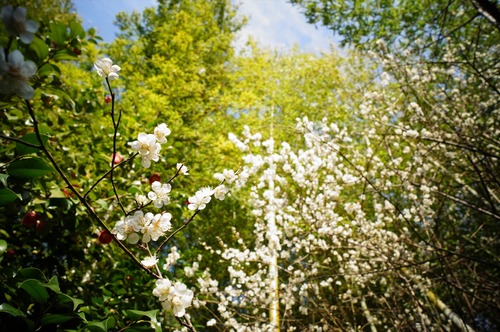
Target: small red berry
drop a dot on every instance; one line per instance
(107, 99)
(30, 219)
(117, 158)
(40, 225)
(154, 177)
(104, 237)
(68, 193)
(11, 252)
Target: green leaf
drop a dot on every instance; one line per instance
(31, 273)
(134, 190)
(101, 326)
(65, 298)
(138, 314)
(56, 318)
(53, 284)
(64, 55)
(3, 179)
(48, 69)
(3, 246)
(35, 289)
(58, 33)
(8, 309)
(30, 138)
(76, 30)
(82, 316)
(41, 49)
(29, 168)
(7, 196)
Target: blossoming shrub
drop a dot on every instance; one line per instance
(145, 232)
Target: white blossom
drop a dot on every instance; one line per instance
(200, 200)
(147, 147)
(182, 169)
(149, 261)
(16, 24)
(160, 194)
(161, 132)
(15, 74)
(105, 68)
(220, 192)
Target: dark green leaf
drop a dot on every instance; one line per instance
(53, 284)
(3, 179)
(8, 309)
(56, 318)
(35, 289)
(64, 298)
(30, 138)
(7, 196)
(29, 168)
(41, 49)
(31, 273)
(105, 325)
(138, 314)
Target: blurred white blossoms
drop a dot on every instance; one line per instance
(160, 194)
(220, 192)
(17, 25)
(151, 226)
(175, 297)
(227, 175)
(106, 68)
(149, 145)
(15, 74)
(200, 200)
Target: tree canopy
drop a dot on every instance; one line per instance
(166, 181)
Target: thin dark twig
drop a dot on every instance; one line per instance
(17, 140)
(186, 323)
(113, 156)
(176, 231)
(108, 172)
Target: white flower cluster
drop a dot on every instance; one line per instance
(149, 145)
(15, 73)
(175, 297)
(150, 226)
(16, 24)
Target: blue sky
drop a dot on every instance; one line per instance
(273, 23)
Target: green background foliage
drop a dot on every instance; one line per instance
(179, 66)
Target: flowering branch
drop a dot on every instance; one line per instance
(85, 203)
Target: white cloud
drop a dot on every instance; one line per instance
(101, 14)
(278, 24)
(272, 23)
